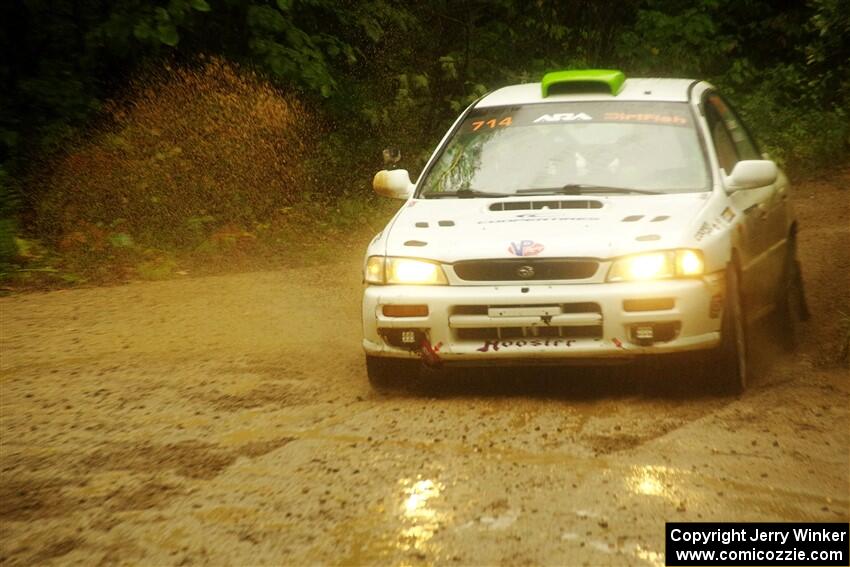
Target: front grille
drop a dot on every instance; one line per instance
(490, 333)
(580, 320)
(526, 269)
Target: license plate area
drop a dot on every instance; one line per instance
(524, 311)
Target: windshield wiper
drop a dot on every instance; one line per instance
(462, 194)
(585, 189)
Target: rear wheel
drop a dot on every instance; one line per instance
(386, 373)
(731, 355)
(791, 306)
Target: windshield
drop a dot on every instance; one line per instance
(572, 148)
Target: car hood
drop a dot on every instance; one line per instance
(451, 229)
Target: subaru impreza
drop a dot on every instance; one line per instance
(587, 218)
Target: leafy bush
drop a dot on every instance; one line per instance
(803, 138)
(9, 202)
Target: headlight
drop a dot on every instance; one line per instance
(689, 263)
(380, 270)
(657, 265)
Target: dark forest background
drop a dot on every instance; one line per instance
(116, 159)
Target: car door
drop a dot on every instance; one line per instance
(762, 207)
(775, 215)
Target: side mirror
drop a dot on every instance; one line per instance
(752, 173)
(393, 183)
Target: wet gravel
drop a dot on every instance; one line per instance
(228, 420)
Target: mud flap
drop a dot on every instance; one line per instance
(430, 354)
(805, 314)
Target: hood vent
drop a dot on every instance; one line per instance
(537, 205)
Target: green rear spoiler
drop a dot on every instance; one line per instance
(582, 79)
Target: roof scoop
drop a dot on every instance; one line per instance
(580, 81)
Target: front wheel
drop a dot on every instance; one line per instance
(386, 373)
(731, 355)
(791, 306)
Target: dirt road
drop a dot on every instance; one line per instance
(228, 420)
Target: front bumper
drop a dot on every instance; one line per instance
(500, 324)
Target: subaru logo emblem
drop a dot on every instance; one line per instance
(525, 272)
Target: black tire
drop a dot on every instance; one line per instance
(791, 305)
(387, 373)
(732, 354)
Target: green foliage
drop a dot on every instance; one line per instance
(803, 136)
(8, 247)
(687, 42)
(9, 203)
(373, 73)
(158, 267)
(153, 23)
(390, 62)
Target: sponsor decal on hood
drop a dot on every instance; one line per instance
(525, 248)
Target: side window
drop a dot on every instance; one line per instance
(723, 144)
(744, 145)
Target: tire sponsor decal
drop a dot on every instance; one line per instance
(496, 344)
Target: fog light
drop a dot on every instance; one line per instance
(408, 337)
(644, 333)
(647, 334)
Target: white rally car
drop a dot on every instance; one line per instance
(586, 218)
